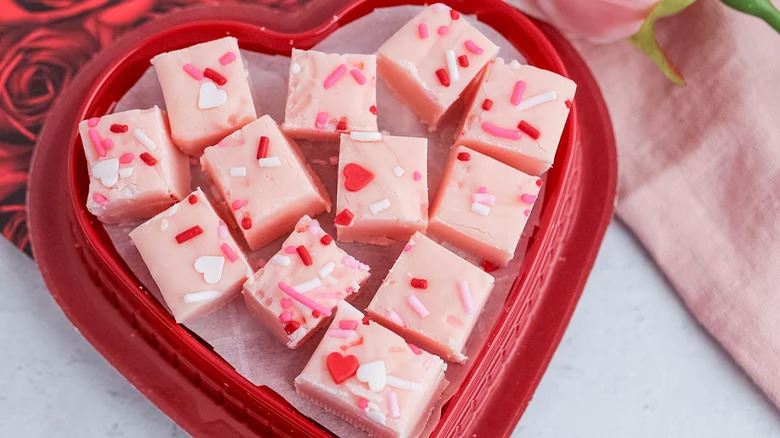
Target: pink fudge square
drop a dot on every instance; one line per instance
(517, 115)
(192, 258)
(135, 170)
(266, 195)
(383, 183)
(430, 62)
(368, 376)
(482, 205)
(433, 305)
(206, 92)
(330, 93)
(295, 292)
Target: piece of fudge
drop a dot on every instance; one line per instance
(297, 289)
(382, 188)
(431, 61)
(433, 305)
(368, 376)
(264, 181)
(330, 93)
(192, 257)
(135, 171)
(517, 115)
(206, 92)
(482, 205)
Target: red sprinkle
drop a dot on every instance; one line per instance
(528, 129)
(246, 223)
(189, 234)
(304, 255)
(315, 314)
(489, 267)
(372, 109)
(365, 320)
(538, 183)
(193, 198)
(454, 14)
(214, 76)
(291, 327)
(443, 76)
(463, 60)
(326, 239)
(118, 129)
(344, 218)
(262, 148)
(487, 104)
(147, 158)
(568, 103)
(464, 156)
(419, 283)
(342, 126)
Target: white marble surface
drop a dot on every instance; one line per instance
(633, 363)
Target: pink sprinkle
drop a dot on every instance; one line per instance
(408, 247)
(107, 143)
(417, 176)
(94, 137)
(438, 7)
(286, 303)
(303, 299)
(482, 189)
(229, 253)
(314, 227)
(327, 295)
(483, 198)
(465, 297)
(473, 47)
(442, 30)
(454, 321)
(422, 29)
(501, 132)
(394, 317)
(322, 118)
(348, 324)
(339, 333)
(93, 122)
(517, 93)
(358, 76)
(290, 250)
(417, 306)
(335, 76)
(126, 158)
(528, 198)
(285, 317)
(334, 160)
(392, 404)
(415, 349)
(527, 212)
(192, 71)
(227, 58)
(362, 403)
(238, 203)
(222, 230)
(100, 199)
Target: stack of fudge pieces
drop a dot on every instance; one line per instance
(382, 372)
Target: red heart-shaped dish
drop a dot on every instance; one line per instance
(180, 374)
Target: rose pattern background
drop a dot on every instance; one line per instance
(43, 44)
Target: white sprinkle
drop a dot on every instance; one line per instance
(392, 404)
(144, 139)
(202, 297)
(377, 416)
(394, 317)
(163, 224)
(295, 68)
(314, 227)
(537, 100)
(365, 136)
(399, 383)
(326, 270)
(417, 306)
(281, 260)
(515, 64)
(238, 171)
(452, 65)
(126, 172)
(379, 206)
(480, 209)
(438, 7)
(269, 162)
(484, 198)
(398, 171)
(308, 285)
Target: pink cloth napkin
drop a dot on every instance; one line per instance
(700, 171)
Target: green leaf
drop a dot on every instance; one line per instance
(762, 9)
(645, 38)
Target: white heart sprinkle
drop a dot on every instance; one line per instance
(201, 297)
(210, 267)
(126, 172)
(210, 96)
(374, 374)
(107, 171)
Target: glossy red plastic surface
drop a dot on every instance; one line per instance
(194, 386)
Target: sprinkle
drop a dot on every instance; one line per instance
(238, 203)
(358, 76)
(465, 297)
(304, 299)
(472, 47)
(308, 285)
(238, 171)
(398, 171)
(333, 160)
(326, 239)
(126, 158)
(392, 404)
(438, 7)
(97, 144)
(295, 68)
(528, 129)
(463, 156)
(538, 183)
(100, 198)
(215, 77)
(397, 382)
(118, 129)
(515, 64)
(344, 217)
(285, 317)
(442, 30)
(517, 93)
(483, 198)
(342, 125)
(454, 321)
(229, 253)
(444, 78)
(422, 29)
(362, 403)
(419, 283)
(480, 209)
(487, 104)
(452, 64)
(144, 139)
(336, 333)
(262, 147)
(189, 234)
(409, 246)
(222, 230)
(290, 250)
(365, 136)
(417, 306)
(454, 14)
(394, 317)
(326, 270)
(303, 253)
(372, 109)
(567, 103)
(201, 297)
(417, 176)
(126, 172)
(527, 198)
(322, 118)
(286, 303)
(281, 260)
(501, 132)
(246, 223)
(415, 349)
(147, 158)
(379, 206)
(377, 415)
(537, 100)
(107, 143)
(365, 320)
(291, 327)
(193, 198)
(92, 122)
(163, 224)
(314, 227)
(527, 212)
(193, 72)
(227, 58)
(335, 76)
(348, 324)
(269, 162)
(463, 61)
(482, 189)
(350, 262)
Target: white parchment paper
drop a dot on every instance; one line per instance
(232, 331)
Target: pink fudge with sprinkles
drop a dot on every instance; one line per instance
(297, 289)
(383, 185)
(192, 257)
(264, 180)
(135, 170)
(206, 91)
(482, 205)
(368, 376)
(433, 60)
(330, 93)
(517, 115)
(432, 305)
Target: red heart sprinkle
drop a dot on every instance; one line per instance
(356, 177)
(341, 367)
